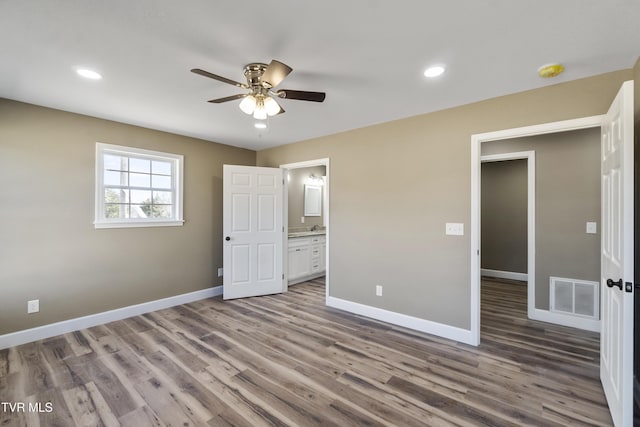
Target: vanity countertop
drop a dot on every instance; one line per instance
(307, 233)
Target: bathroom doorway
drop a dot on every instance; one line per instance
(307, 222)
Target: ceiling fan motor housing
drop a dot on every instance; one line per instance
(253, 72)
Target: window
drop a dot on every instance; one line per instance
(137, 188)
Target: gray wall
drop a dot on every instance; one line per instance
(387, 228)
(297, 179)
(567, 196)
(504, 216)
(50, 249)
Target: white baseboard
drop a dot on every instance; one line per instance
(565, 320)
(422, 325)
(46, 331)
(523, 277)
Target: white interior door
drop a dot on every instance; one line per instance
(253, 231)
(616, 338)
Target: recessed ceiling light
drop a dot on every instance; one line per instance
(89, 74)
(434, 71)
(259, 125)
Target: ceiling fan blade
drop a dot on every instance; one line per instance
(219, 78)
(302, 95)
(228, 98)
(275, 73)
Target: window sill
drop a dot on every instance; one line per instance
(138, 224)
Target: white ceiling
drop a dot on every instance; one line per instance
(367, 55)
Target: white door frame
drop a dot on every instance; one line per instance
(476, 141)
(530, 156)
(298, 165)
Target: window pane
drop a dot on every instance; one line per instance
(115, 195)
(162, 197)
(115, 178)
(114, 162)
(139, 180)
(139, 165)
(163, 211)
(160, 181)
(141, 211)
(163, 168)
(113, 211)
(140, 196)
(137, 186)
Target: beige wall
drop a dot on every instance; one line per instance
(49, 248)
(387, 228)
(503, 212)
(567, 196)
(297, 180)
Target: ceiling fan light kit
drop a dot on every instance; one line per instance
(262, 79)
(248, 104)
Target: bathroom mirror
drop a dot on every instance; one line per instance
(312, 200)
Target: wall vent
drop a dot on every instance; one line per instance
(574, 297)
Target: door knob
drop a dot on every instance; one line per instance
(227, 238)
(611, 283)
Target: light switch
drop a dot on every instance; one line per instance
(454, 229)
(592, 228)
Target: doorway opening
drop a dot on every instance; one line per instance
(476, 158)
(306, 222)
(508, 235)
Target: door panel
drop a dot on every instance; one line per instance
(266, 261)
(266, 212)
(616, 338)
(240, 258)
(241, 208)
(253, 231)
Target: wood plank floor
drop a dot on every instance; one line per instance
(289, 360)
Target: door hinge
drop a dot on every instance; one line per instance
(282, 276)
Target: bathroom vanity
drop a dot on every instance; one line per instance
(306, 256)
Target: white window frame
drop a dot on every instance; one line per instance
(177, 162)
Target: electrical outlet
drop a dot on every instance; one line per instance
(592, 228)
(302, 219)
(378, 290)
(220, 271)
(33, 306)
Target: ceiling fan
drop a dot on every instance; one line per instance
(262, 80)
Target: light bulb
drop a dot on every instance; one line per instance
(271, 106)
(248, 104)
(260, 113)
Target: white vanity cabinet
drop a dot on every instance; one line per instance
(299, 258)
(306, 258)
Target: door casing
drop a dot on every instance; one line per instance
(305, 164)
(476, 141)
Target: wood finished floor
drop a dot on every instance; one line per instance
(289, 360)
